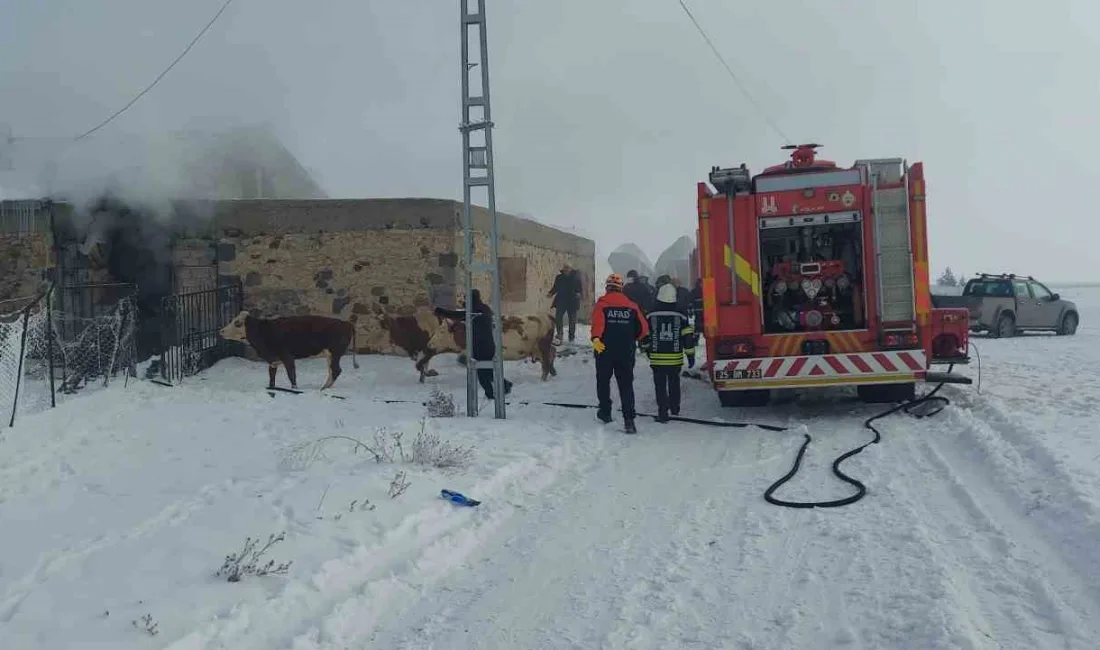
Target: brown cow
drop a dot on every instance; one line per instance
(282, 340)
(527, 337)
(424, 335)
(411, 334)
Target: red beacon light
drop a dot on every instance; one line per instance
(803, 156)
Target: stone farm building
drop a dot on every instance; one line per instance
(257, 217)
(354, 259)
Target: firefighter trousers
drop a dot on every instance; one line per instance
(666, 384)
(622, 368)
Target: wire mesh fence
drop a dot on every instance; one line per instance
(15, 328)
(47, 352)
(75, 337)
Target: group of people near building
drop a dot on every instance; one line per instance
(631, 315)
(634, 314)
(660, 326)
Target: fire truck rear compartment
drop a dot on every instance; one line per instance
(813, 278)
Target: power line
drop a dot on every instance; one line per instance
(159, 77)
(733, 76)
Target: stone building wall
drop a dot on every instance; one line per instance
(358, 276)
(193, 265)
(25, 261)
(352, 259)
(527, 273)
(361, 259)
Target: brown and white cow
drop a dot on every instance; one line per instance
(282, 340)
(423, 335)
(411, 333)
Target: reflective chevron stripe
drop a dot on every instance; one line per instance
(870, 364)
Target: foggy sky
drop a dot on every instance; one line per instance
(608, 113)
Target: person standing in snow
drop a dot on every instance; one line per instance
(617, 327)
(567, 299)
(670, 338)
(484, 346)
(683, 296)
(697, 305)
(636, 290)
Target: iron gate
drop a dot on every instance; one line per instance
(191, 322)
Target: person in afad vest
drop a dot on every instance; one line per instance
(618, 327)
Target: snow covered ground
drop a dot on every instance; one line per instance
(979, 529)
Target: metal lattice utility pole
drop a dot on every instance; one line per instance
(477, 154)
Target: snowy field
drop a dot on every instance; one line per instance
(979, 529)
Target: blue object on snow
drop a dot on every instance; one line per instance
(459, 498)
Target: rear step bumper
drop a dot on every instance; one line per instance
(946, 378)
(887, 367)
(950, 361)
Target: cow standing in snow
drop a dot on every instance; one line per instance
(279, 341)
(423, 334)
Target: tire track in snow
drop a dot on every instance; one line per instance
(813, 578)
(1059, 584)
(607, 565)
(1018, 563)
(683, 600)
(51, 563)
(1015, 463)
(351, 593)
(994, 596)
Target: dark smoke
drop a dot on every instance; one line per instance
(138, 246)
(134, 245)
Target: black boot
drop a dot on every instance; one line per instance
(628, 426)
(603, 416)
(675, 410)
(662, 416)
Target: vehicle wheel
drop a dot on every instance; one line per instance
(886, 393)
(1006, 327)
(1069, 325)
(744, 398)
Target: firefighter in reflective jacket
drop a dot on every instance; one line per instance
(617, 328)
(671, 336)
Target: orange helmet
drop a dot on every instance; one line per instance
(614, 280)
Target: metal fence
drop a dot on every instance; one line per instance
(70, 337)
(46, 352)
(82, 304)
(190, 325)
(95, 327)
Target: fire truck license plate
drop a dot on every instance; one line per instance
(755, 373)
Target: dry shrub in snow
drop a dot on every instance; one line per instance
(365, 504)
(247, 562)
(441, 405)
(148, 624)
(388, 446)
(398, 485)
(427, 449)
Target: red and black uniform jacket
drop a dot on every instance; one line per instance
(618, 322)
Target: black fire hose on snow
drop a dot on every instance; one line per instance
(861, 490)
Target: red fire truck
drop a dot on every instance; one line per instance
(817, 275)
